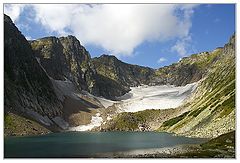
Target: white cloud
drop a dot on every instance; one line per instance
(55, 17)
(118, 28)
(162, 59)
(29, 38)
(182, 46)
(13, 10)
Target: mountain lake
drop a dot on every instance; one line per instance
(89, 144)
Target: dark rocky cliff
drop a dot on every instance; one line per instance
(123, 73)
(27, 89)
(64, 58)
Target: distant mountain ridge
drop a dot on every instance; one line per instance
(65, 58)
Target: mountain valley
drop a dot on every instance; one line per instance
(52, 84)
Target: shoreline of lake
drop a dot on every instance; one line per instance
(165, 152)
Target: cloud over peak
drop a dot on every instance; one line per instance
(118, 28)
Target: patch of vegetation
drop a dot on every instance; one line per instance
(130, 121)
(175, 120)
(126, 121)
(224, 141)
(229, 89)
(15, 125)
(219, 93)
(226, 107)
(147, 114)
(208, 59)
(230, 102)
(9, 122)
(220, 147)
(196, 112)
(220, 77)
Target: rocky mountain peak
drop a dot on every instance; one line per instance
(108, 56)
(72, 46)
(49, 38)
(123, 73)
(71, 38)
(63, 58)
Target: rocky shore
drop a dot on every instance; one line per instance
(220, 147)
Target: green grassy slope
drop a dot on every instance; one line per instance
(212, 110)
(15, 125)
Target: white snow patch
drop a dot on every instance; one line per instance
(154, 97)
(95, 122)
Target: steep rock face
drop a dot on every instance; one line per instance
(109, 88)
(27, 89)
(187, 70)
(63, 58)
(123, 73)
(114, 77)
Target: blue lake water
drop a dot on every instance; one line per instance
(88, 144)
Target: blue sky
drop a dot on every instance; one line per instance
(212, 27)
(152, 36)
